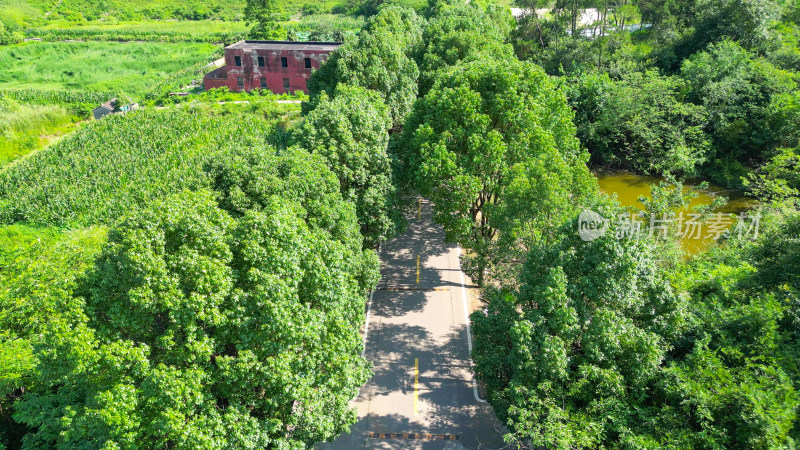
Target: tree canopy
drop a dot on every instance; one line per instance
(265, 16)
(350, 130)
(463, 32)
(484, 131)
(640, 122)
(379, 59)
(604, 345)
(215, 320)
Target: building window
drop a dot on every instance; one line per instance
(240, 82)
(260, 61)
(237, 61)
(284, 61)
(308, 63)
(263, 83)
(286, 84)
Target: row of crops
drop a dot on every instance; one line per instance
(316, 27)
(116, 165)
(80, 102)
(99, 34)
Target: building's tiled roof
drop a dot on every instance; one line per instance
(109, 105)
(285, 45)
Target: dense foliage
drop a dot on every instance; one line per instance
(350, 131)
(380, 60)
(265, 16)
(275, 244)
(459, 32)
(205, 289)
(39, 268)
(487, 143)
(242, 333)
(582, 342)
(702, 87)
(640, 122)
(618, 343)
(606, 343)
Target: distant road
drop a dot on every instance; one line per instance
(422, 394)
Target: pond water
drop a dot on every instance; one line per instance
(629, 187)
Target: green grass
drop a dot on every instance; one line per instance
(32, 12)
(113, 166)
(131, 68)
(25, 128)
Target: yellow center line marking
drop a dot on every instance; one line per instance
(417, 269)
(419, 211)
(416, 385)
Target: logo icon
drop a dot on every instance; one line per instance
(591, 225)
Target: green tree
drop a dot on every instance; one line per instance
(38, 272)
(463, 32)
(571, 357)
(729, 378)
(350, 130)
(640, 122)
(215, 328)
(736, 89)
(403, 23)
(746, 21)
(684, 27)
(778, 179)
(607, 343)
(246, 179)
(265, 16)
(378, 60)
(485, 137)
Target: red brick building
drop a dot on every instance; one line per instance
(280, 66)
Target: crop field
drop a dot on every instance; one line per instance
(159, 26)
(129, 68)
(207, 31)
(109, 167)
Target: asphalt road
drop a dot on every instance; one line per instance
(422, 393)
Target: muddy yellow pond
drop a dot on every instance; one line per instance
(629, 187)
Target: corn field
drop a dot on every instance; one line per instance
(110, 167)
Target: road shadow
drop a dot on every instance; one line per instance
(386, 303)
(417, 316)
